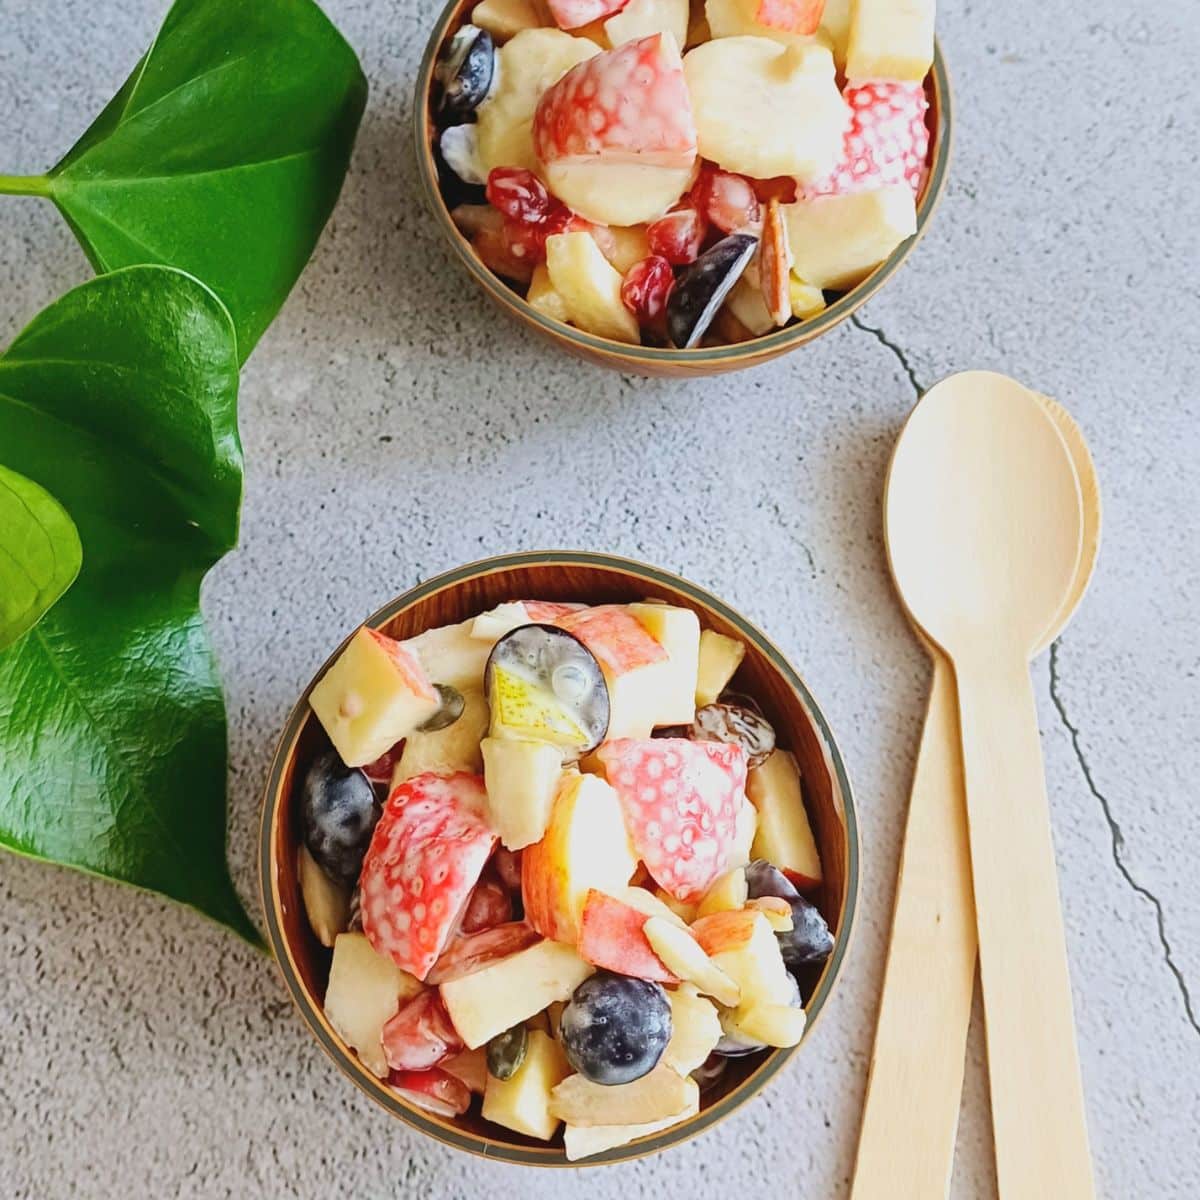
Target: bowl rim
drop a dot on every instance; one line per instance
(446, 1131)
(751, 351)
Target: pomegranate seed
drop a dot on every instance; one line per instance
(727, 200)
(781, 188)
(519, 194)
(526, 240)
(678, 236)
(646, 286)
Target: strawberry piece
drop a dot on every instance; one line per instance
(611, 937)
(680, 800)
(518, 194)
(490, 904)
(646, 286)
(887, 141)
(420, 1035)
(466, 955)
(426, 855)
(727, 200)
(571, 14)
(626, 105)
(435, 1091)
(615, 636)
(678, 235)
(775, 265)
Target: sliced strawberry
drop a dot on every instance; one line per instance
(425, 856)
(680, 800)
(490, 904)
(466, 955)
(628, 105)
(615, 636)
(887, 141)
(611, 937)
(420, 1035)
(775, 266)
(435, 1091)
(571, 14)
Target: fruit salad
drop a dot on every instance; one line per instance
(561, 867)
(684, 172)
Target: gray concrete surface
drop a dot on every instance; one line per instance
(394, 426)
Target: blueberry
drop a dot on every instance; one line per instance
(765, 879)
(615, 1029)
(701, 287)
(467, 70)
(809, 940)
(339, 810)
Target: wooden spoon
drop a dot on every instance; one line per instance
(984, 524)
(914, 1089)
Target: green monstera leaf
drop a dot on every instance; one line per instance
(223, 154)
(39, 553)
(120, 400)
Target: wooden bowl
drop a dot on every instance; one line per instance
(597, 578)
(652, 360)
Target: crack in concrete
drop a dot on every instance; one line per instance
(794, 537)
(1118, 839)
(884, 340)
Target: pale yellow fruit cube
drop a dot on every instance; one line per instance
(807, 301)
(728, 891)
(720, 657)
(374, 694)
(695, 1029)
(364, 991)
(890, 39)
(683, 956)
(522, 779)
(522, 1102)
(641, 18)
(511, 989)
(583, 1141)
(450, 655)
(326, 904)
(660, 1093)
(590, 287)
(784, 837)
(504, 19)
(771, 1024)
(543, 296)
(624, 245)
(837, 241)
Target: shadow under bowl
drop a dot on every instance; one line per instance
(596, 578)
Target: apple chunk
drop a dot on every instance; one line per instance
(522, 1102)
(582, 1141)
(890, 39)
(784, 836)
(744, 946)
(610, 936)
(374, 694)
(590, 286)
(512, 989)
(585, 846)
(522, 779)
(454, 748)
(364, 991)
(695, 1029)
(688, 959)
(326, 903)
(720, 657)
(661, 1093)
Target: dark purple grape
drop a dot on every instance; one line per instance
(809, 940)
(466, 71)
(701, 288)
(615, 1029)
(766, 879)
(339, 810)
(735, 726)
(709, 1072)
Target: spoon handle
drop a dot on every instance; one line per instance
(1033, 1063)
(906, 1147)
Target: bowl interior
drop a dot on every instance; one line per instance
(653, 359)
(595, 579)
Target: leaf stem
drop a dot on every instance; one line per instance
(25, 185)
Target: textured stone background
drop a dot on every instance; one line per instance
(395, 427)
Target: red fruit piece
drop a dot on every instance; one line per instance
(615, 636)
(420, 1035)
(495, 252)
(435, 1091)
(678, 236)
(887, 141)
(727, 200)
(646, 286)
(526, 240)
(380, 771)
(550, 610)
(425, 856)
(611, 937)
(625, 105)
(680, 800)
(519, 194)
(490, 904)
(571, 14)
(791, 16)
(466, 955)
(508, 862)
